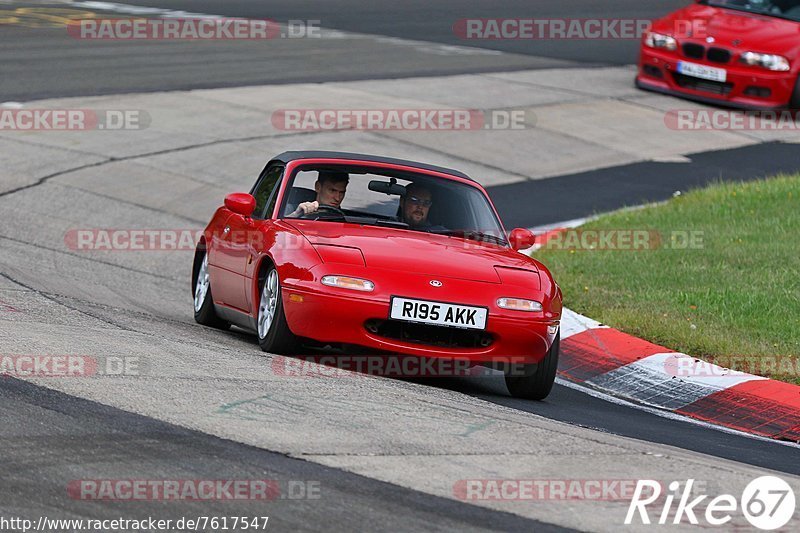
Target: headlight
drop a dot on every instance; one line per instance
(767, 61)
(344, 282)
(659, 40)
(517, 304)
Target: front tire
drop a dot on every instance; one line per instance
(537, 384)
(204, 312)
(274, 334)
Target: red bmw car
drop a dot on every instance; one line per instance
(396, 257)
(739, 53)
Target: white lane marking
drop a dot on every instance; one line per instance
(140, 10)
(424, 47)
(649, 381)
(677, 364)
(573, 323)
(668, 414)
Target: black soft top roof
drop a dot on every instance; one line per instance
(286, 157)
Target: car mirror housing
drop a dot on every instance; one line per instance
(521, 239)
(241, 203)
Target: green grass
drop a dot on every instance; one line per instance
(737, 295)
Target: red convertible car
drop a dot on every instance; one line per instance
(739, 53)
(391, 256)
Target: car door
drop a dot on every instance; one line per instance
(260, 228)
(234, 244)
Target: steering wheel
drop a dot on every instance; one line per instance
(324, 207)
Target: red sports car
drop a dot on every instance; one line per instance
(740, 53)
(347, 250)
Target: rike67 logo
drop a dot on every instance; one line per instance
(768, 503)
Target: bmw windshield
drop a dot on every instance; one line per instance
(786, 9)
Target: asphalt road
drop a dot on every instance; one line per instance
(39, 59)
(73, 439)
(50, 438)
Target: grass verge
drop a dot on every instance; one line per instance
(719, 277)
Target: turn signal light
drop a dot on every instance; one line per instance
(344, 282)
(517, 304)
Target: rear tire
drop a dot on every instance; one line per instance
(204, 312)
(538, 384)
(273, 331)
(794, 103)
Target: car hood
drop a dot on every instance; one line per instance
(420, 253)
(734, 29)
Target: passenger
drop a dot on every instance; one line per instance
(415, 206)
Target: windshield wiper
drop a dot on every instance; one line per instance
(375, 221)
(390, 223)
(474, 236)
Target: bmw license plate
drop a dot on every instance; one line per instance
(438, 313)
(702, 71)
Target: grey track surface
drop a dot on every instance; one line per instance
(79, 439)
(638, 183)
(139, 303)
(45, 62)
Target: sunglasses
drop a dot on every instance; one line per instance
(417, 201)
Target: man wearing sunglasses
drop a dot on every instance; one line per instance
(415, 206)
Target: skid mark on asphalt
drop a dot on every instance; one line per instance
(273, 407)
(45, 179)
(72, 308)
(6, 307)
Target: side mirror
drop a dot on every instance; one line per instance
(521, 239)
(241, 203)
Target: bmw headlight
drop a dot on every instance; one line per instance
(767, 61)
(659, 40)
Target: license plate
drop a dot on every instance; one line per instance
(702, 71)
(438, 313)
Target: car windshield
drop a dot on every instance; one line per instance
(402, 200)
(788, 9)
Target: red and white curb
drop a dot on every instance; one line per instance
(621, 365)
(603, 359)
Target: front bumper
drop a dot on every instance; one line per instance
(658, 72)
(339, 316)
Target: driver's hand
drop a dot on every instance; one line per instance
(308, 207)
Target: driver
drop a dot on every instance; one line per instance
(331, 187)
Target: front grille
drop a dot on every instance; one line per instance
(430, 335)
(690, 82)
(694, 51)
(718, 55)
